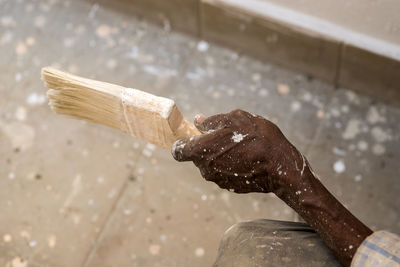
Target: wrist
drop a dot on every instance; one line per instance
(340, 230)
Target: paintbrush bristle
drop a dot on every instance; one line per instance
(84, 99)
(148, 117)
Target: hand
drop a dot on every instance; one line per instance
(242, 152)
(247, 153)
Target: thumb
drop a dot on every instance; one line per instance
(181, 151)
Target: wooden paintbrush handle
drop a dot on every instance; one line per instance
(186, 129)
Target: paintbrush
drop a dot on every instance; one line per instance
(151, 118)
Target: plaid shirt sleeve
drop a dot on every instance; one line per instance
(379, 249)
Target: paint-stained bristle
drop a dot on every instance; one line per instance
(85, 99)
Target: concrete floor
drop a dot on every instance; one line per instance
(79, 194)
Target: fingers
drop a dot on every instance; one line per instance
(190, 149)
(215, 122)
(199, 118)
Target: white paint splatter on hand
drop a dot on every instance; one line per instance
(237, 137)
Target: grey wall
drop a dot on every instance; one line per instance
(377, 18)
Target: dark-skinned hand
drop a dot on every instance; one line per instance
(242, 152)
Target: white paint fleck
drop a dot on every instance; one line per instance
(197, 74)
(335, 112)
(11, 175)
(235, 174)
(298, 192)
(151, 147)
(295, 106)
(199, 252)
(69, 42)
(339, 166)
(204, 197)
(159, 71)
(18, 77)
(373, 116)
(237, 137)
(358, 178)
(362, 145)
(256, 77)
(352, 129)
(127, 211)
(147, 153)
(380, 135)
(36, 99)
(202, 46)
(115, 144)
(263, 92)
(338, 151)
(32, 243)
(111, 63)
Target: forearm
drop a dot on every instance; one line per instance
(340, 230)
